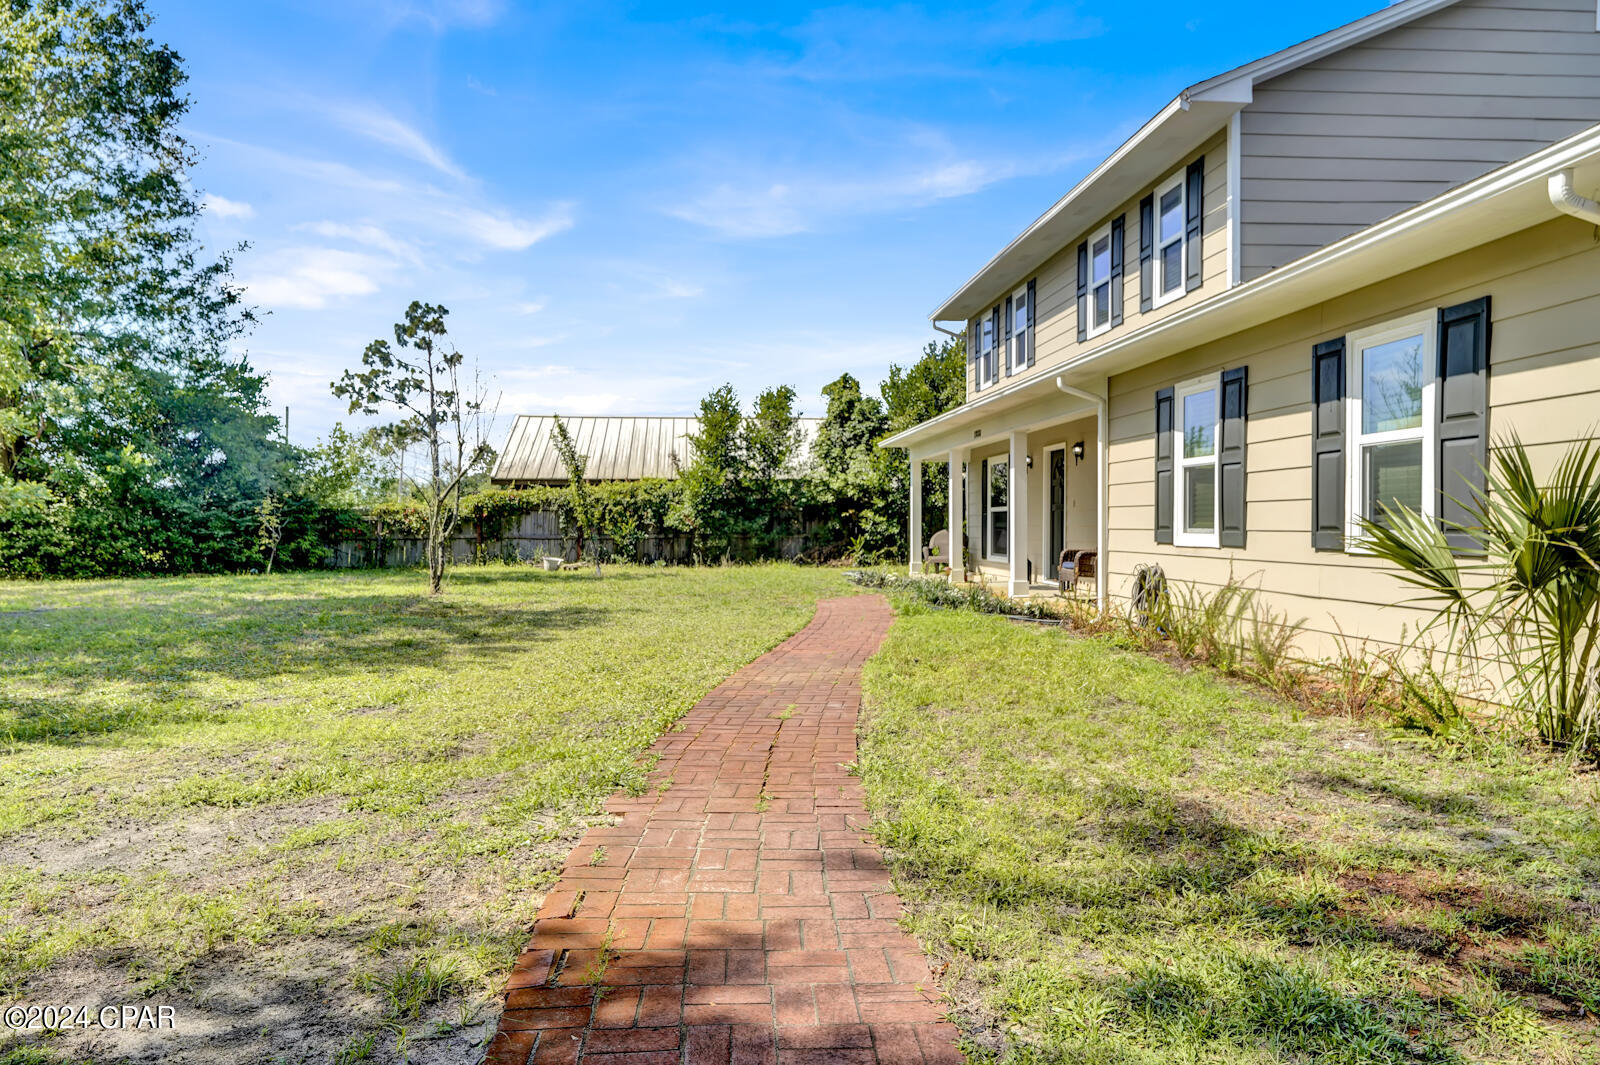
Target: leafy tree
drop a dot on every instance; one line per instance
(708, 507)
(857, 486)
(583, 511)
(935, 383)
(420, 375)
(771, 443)
(114, 331)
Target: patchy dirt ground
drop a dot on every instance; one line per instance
(341, 990)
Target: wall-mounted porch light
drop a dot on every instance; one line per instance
(1077, 452)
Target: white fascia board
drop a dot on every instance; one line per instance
(1144, 158)
(1497, 204)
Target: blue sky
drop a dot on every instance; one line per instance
(624, 206)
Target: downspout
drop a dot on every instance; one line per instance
(948, 332)
(1102, 453)
(1565, 198)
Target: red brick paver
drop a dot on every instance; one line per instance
(737, 914)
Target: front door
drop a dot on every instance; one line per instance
(1058, 510)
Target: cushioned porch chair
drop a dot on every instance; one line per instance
(1075, 564)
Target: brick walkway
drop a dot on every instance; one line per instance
(740, 915)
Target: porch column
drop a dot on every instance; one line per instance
(956, 513)
(916, 516)
(1017, 517)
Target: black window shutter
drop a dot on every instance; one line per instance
(997, 352)
(1164, 457)
(1327, 445)
(974, 338)
(1230, 457)
(1083, 292)
(1194, 202)
(1147, 250)
(1463, 415)
(1118, 238)
(1006, 347)
(1033, 297)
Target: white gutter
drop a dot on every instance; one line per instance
(1565, 198)
(1102, 460)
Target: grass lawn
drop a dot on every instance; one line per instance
(1123, 861)
(316, 813)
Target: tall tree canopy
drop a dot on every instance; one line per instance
(120, 393)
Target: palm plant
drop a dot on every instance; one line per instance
(1529, 609)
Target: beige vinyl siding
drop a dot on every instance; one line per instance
(1056, 281)
(1353, 138)
(1544, 385)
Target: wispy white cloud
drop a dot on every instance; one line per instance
(796, 202)
(503, 231)
(310, 278)
(381, 127)
(222, 207)
(426, 213)
(368, 235)
(526, 307)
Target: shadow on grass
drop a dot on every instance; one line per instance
(161, 654)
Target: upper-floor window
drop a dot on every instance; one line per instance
(987, 363)
(1169, 221)
(1100, 282)
(1019, 337)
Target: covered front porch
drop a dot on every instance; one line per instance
(1024, 480)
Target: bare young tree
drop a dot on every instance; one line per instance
(420, 375)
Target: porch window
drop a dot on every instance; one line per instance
(995, 507)
(1197, 429)
(1391, 420)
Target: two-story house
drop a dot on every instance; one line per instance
(1320, 282)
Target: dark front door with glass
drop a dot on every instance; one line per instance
(1058, 511)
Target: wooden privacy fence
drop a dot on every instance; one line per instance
(539, 534)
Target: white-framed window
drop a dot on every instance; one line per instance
(1391, 429)
(996, 512)
(1167, 245)
(1100, 282)
(1197, 431)
(1020, 336)
(987, 363)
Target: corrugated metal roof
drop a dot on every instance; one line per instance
(618, 448)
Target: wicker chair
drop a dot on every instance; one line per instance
(1076, 564)
(937, 553)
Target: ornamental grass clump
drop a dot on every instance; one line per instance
(1528, 612)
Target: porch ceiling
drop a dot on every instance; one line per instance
(1030, 404)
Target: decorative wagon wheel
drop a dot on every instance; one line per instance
(1149, 588)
